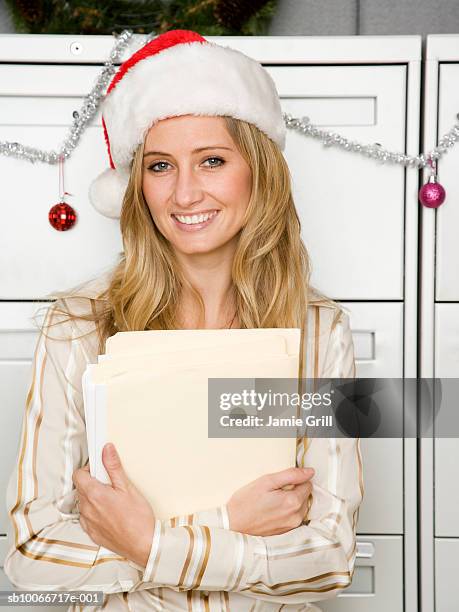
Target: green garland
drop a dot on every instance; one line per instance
(208, 17)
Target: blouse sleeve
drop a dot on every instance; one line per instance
(315, 561)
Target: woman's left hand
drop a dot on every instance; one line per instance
(117, 516)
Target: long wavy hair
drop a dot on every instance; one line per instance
(271, 267)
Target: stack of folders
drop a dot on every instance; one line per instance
(149, 396)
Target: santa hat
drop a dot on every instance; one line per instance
(178, 73)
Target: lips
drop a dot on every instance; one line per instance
(192, 223)
(196, 218)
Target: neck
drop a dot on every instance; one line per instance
(210, 274)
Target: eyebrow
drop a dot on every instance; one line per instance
(194, 150)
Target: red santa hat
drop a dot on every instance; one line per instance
(178, 73)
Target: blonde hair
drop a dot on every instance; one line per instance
(271, 266)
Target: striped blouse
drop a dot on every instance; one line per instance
(196, 562)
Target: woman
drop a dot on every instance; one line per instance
(211, 240)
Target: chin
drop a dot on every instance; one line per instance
(188, 246)
(199, 245)
(195, 250)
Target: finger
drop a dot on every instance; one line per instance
(302, 494)
(81, 478)
(304, 510)
(299, 494)
(290, 476)
(114, 467)
(303, 490)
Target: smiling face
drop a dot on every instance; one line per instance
(196, 183)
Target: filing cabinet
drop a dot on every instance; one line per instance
(359, 222)
(439, 349)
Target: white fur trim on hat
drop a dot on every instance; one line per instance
(107, 191)
(190, 78)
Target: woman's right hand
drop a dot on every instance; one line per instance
(272, 504)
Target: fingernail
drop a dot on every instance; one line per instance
(308, 470)
(111, 449)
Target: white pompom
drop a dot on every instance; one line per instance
(106, 192)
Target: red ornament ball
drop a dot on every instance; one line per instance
(432, 194)
(62, 216)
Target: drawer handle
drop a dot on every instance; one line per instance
(364, 344)
(365, 550)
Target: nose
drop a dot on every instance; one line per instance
(187, 188)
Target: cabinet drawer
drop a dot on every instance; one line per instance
(377, 331)
(365, 103)
(377, 585)
(447, 340)
(446, 572)
(347, 221)
(446, 487)
(447, 216)
(36, 106)
(446, 456)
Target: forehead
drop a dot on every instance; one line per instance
(189, 129)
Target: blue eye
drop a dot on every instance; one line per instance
(219, 159)
(157, 164)
(163, 163)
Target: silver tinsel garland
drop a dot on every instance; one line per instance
(375, 150)
(93, 99)
(81, 117)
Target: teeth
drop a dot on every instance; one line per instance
(191, 219)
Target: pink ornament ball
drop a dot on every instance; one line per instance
(432, 195)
